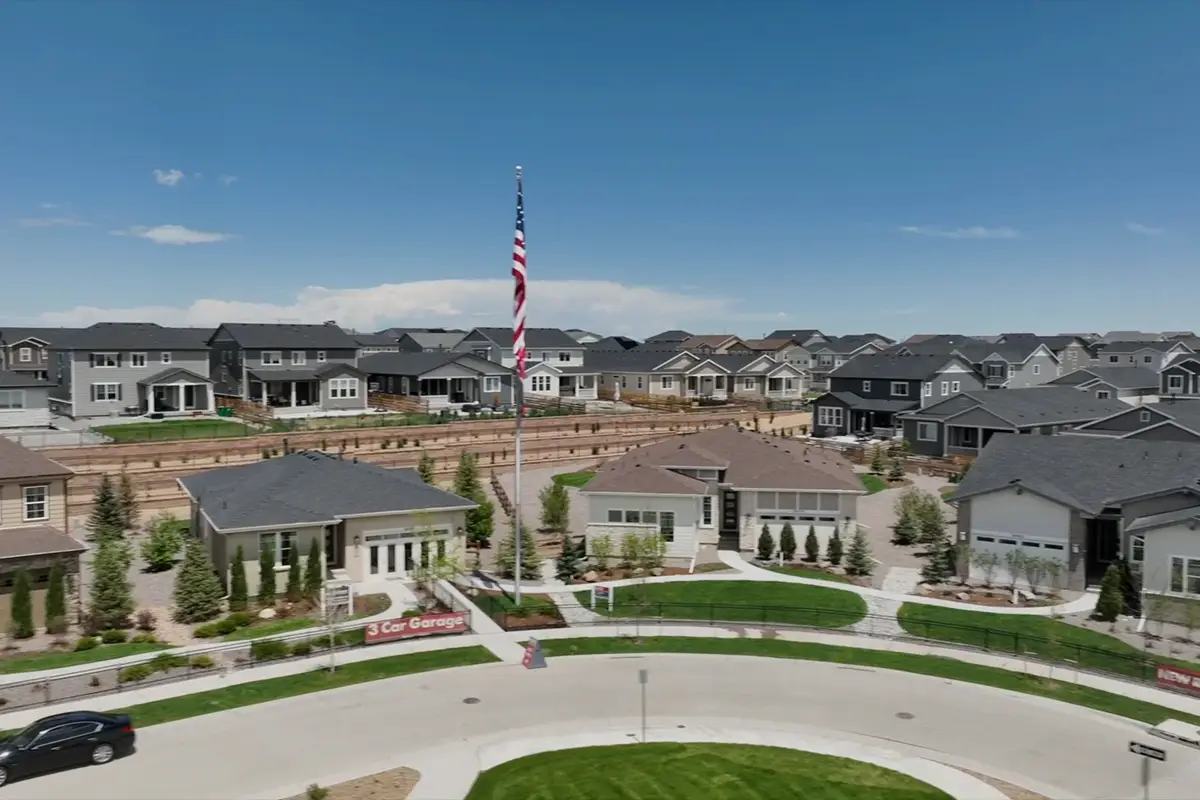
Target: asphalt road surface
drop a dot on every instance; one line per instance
(254, 751)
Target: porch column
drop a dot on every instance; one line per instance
(293, 385)
(150, 399)
(212, 400)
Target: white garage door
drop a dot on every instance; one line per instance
(1001, 545)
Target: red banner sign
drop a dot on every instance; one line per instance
(406, 627)
(1178, 678)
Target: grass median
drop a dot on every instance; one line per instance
(315, 680)
(934, 666)
(736, 601)
(37, 662)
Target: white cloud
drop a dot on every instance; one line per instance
(173, 234)
(228, 180)
(603, 306)
(961, 233)
(48, 206)
(170, 177)
(1145, 230)
(52, 222)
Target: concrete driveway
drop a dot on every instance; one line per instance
(877, 512)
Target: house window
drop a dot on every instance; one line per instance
(1175, 383)
(545, 357)
(719, 383)
(866, 386)
(25, 354)
(774, 384)
(630, 517)
(789, 384)
(747, 383)
(899, 389)
(927, 431)
(624, 382)
(37, 503)
(106, 360)
(1114, 359)
(1185, 575)
(825, 361)
(1011, 370)
(481, 353)
(667, 382)
(137, 359)
(1144, 416)
(1137, 549)
(321, 357)
(564, 357)
(829, 416)
(945, 388)
(706, 511)
(1147, 359)
(1103, 394)
(271, 358)
(954, 387)
(299, 358)
(927, 390)
(106, 392)
(164, 358)
(491, 385)
(343, 388)
(639, 381)
(1037, 369)
(541, 383)
(666, 526)
(12, 399)
(281, 544)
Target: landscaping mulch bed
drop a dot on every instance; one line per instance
(539, 611)
(394, 784)
(987, 597)
(368, 605)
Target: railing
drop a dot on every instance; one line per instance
(400, 404)
(497, 489)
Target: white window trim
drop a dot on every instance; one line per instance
(747, 383)
(866, 386)
(1103, 394)
(11, 397)
(667, 382)
(115, 357)
(491, 385)
(1134, 541)
(706, 510)
(343, 388)
(1175, 382)
(902, 385)
(299, 358)
(321, 357)
(830, 416)
(921, 428)
(135, 357)
(277, 547)
(564, 357)
(25, 355)
(164, 357)
(927, 390)
(271, 358)
(99, 399)
(1182, 591)
(1012, 370)
(1144, 416)
(541, 383)
(26, 502)
(955, 386)
(945, 388)
(1037, 369)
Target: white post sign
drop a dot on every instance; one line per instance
(603, 593)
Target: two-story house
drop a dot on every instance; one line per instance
(1071, 351)
(829, 355)
(667, 340)
(1155, 355)
(1179, 377)
(1017, 364)
(24, 400)
(719, 488)
(714, 344)
(556, 364)
(434, 340)
(369, 343)
(783, 350)
(801, 336)
(1132, 385)
(131, 368)
(27, 350)
(867, 392)
(292, 369)
(33, 521)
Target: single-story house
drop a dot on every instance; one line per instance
(24, 400)
(443, 379)
(685, 375)
(1133, 385)
(372, 523)
(719, 487)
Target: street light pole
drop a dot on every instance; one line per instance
(643, 679)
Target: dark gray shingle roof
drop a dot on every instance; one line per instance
(673, 336)
(892, 367)
(414, 364)
(22, 380)
(551, 338)
(1038, 405)
(845, 345)
(310, 488)
(442, 340)
(12, 336)
(260, 336)
(375, 339)
(133, 336)
(1124, 377)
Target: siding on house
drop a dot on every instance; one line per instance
(686, 509)
(84, 376)
(35, 410)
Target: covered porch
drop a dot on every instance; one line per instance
(708, 386)
(968, 440)
(785, 383)
(176, 391)
(866, 416)
(581, 386)
(285, 388)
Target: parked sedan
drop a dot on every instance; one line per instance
(65, 740)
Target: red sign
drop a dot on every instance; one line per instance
(1178, 678)
(406, 627)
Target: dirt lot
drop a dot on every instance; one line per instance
(395, 784)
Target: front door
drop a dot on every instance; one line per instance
(384, 559)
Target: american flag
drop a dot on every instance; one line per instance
(518, 271)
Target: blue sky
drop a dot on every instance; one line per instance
(894, 166)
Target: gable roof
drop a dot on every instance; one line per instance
(768, 345)
(673, 336)
(14, 379)
(891, 366)
(133, 336)
(751, 461)
(14, 336)
(708, 340)
(1037, 405)
(612, 343)
(551, 338)
(416, 364)
(435, 340)
(1089, 473)
(18, 462)
(310, 488)
(799, 335)
(262, 335)
(374, 339)
(1118, 377)
(1112, 348)
(845, 345)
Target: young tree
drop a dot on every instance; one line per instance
(905, 532)
(426, 467)
(56, 599)
(858, 559)
(939, 564)
(653, 551)
(239, 593)
(631, 550)
(295, 577)
(111, 592)
(314, 575)
(834, 550)
(570, 563)
(896, 470)
(197, 587)
(106, 520)
(812, 546)
(267, 590)
(766, 544)
(22, 607)
(1131, 588)
(1110, 602)
(556, 507)
(602, 550)
(481, 523)
(466, 477)
(787, 542)
(127, 501)
(878, 462)
(931, 519)
(531, 560)
(986, 562)
(162, 546)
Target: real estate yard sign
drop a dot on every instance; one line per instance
(406, 627)
(1177, 678)
(604, 593)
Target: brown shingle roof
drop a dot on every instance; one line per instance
(36, 541)
(766, 344)
(711, 340)
(17, 462)
(750, 460)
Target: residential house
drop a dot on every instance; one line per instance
(1017, 364)
(965, 423)
(685, 375)
(541, 344)
(430, 341)
(1133, 385)
(289, 368)
(714, 344)
(720, 487)
(27, 350)
(443, 380)
(24, 400)
(131, 368)
(1180, 376)
(613, 343)
(782, 350)
(801, 336)
(369, 343)
(826, 356)
(667, 340)
(396, 333)
(33, 524)
(1071, 351)
(370, 524)
(582, 336)
(867, 392)
(1151, 354)
(1130, 336)
(1085, 502)
(1167, 421)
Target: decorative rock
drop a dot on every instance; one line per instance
(963, 596)
(267, 613)
(656, 571)
(591, 576)
(1026, 596)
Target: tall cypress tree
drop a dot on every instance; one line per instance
(314, 577)
(295, 578)
(426, 467)
(197, 587)
(22, 607)
(106, 521)
(56, 599)
(127, 501)
(112, 594)
(266, 577)
(239, 594)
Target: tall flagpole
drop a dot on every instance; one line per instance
(518, 271)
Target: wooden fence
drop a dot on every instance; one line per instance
(245, 410)
(398, 403)
(862, 454)
(653, 402)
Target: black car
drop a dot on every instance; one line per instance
(65, 740)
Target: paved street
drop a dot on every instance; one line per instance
(257, 752)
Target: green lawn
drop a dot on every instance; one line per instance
(935, 666)
(872, 483)
(737, 601)
(272, 628)
(809, 572)
(1048, 638)
(317, 680)
(35, 662)
(175, 429)
(694, 771)
(575, 479)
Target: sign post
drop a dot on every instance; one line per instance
(643, 679)
(337, 602)
(1148, 754)
(602, 593)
